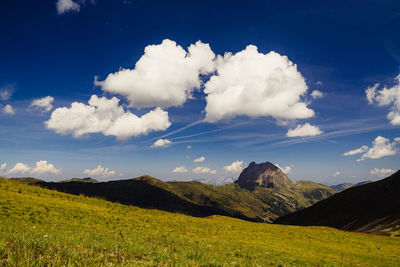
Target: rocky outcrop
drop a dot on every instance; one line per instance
(264, 174)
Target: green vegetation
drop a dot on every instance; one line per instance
(44, 227)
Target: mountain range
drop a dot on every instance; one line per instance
(261, 193)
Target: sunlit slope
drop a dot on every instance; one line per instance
(44, 227)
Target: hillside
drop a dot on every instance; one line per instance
(42, 227)
(372, 207)
(244, 200)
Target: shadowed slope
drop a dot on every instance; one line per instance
(372, 207)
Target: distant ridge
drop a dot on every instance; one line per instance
(372, 207)
(82, 180)
(344, 186)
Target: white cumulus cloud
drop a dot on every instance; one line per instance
(180, 169)
(105, 116)
(235, 167)
(387, 97)
(381, 147)
(203, 170)
(304, 130)
(64, 6)
(44, 167)
(19, 168)
(356, 151)
(161, 143)
(200, 159)
(255, 84)
(336, 174)
(8, 109)
(164, 76)
(381, 172)
(317, 94)
(99, 172)
(44, 103)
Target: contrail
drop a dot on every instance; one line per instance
(178, 130)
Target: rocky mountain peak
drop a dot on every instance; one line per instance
(264, 174)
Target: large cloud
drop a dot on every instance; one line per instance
(304, 130)
(381, 147)
(44, 167)
(100, 171)
(255, 84)
(44, 103)
(105, 116)
(164, 76)
(387, 97)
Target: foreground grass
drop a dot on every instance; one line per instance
(44, 227)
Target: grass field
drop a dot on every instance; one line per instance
(43, 227)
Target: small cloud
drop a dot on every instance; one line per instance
(19, 168)
(203, 170)
(189, 147)
(387, 97)
(6, 92)
(319, 83)
(235, 167)
(286, 169)
(180, 169)
(304, 130)
(44, 167)
(381, 172)
(3, 167)
(64, 6)
(336, 174)
(356, 151)
(317, 94)
(99, 172)
(8, 109)
(201, 159)
(161, 143)
(45, 103)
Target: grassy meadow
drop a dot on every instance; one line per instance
(43, 227)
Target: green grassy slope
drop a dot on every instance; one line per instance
(45, 227)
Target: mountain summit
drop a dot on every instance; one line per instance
(265, 175)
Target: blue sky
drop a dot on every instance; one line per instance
(56, 48)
